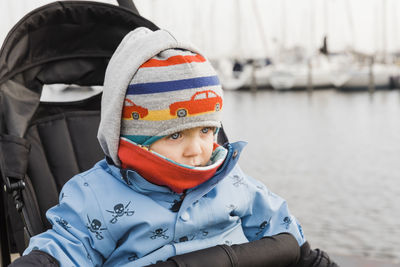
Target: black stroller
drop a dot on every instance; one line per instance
(43, 144)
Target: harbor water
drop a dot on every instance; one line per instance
(334, 156)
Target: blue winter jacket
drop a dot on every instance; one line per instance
(104, 219)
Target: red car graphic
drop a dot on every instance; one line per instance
(133, 111)
(200, 102)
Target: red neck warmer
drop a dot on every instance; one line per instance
(160, 171)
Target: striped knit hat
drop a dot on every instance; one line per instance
(173, 91)
(167, 87)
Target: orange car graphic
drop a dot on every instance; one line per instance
(133, 111)
(200, 102)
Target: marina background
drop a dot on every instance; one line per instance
(257, 28)
(333, 156)
(331, 153)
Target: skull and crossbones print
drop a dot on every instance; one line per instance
(120, 210)
(63, 223)
(159, 233)
(94, 226)
(262, 226)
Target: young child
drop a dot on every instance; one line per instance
(166, 188)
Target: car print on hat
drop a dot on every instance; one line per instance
(200, 102)
(133, 111)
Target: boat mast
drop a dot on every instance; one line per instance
(351, 25)
(260, 26)
(384, 35)
(238, 54)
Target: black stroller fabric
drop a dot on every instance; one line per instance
(42, 145)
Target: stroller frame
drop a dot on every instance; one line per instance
(66, 42)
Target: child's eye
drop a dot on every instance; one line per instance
(205, 130)
(175, 136)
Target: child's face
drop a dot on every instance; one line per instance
(190, 147)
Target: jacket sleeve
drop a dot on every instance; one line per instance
(79, 235)
(267, 214)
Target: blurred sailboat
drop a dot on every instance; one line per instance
(362, 77)
(231, 78)
(369, 71)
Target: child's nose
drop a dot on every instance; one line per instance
(193, 148)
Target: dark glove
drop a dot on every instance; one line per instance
(35, 258)
(281, 250)
(314, 258)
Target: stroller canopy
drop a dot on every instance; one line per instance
(63, 42)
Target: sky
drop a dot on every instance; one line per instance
(260, 28)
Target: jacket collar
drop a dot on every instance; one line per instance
(234, 151)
